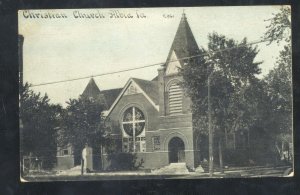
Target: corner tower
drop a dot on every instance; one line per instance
(175, 120)
(184, 46)
(172, 99)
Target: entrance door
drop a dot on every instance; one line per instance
(176, 150)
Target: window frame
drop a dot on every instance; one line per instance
(140, 139)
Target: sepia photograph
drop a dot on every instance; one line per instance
(155, 93)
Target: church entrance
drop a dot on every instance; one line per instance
(176, 150)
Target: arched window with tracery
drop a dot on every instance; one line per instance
(133, 123)
(175, 99)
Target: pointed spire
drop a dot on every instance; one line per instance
(184, 43)
(183, 17)
(91, 89)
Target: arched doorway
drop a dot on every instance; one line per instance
(176, 150)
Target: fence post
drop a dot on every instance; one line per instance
(82, 163)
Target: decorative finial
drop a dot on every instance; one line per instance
(183, 14)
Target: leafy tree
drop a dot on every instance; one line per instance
(232, 73)
(279, 27)
(120, 161)
(279, 80)
(82, 123)
(279, 86)
(39, 123)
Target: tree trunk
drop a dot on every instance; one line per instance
(221, 156)
(288, 152)
(102, 160)
(210, 131)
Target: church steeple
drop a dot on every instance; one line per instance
(91, 90)
(184, 45)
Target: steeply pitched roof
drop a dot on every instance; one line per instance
(110, 96)
(91, 90)
(107, 97)
(184, 43)
(149, 87)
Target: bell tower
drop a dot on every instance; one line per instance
(175, 116)
(172, 98)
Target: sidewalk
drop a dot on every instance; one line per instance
(234, 172)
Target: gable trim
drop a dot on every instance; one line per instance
(123, 91)
(172, 62)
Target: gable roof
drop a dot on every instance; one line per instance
(107, 97)
(148, 88)
(91, 90)
(184, 43)
(110, 96)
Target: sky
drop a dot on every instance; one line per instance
(65, 48)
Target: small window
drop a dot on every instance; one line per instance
(125, 147)
(143, 146)
(132, 90)
(137, 146)
(156, 142)
(66, 152)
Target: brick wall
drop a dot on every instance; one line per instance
(134, 100)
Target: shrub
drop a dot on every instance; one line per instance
(124, 161)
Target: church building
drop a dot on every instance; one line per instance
(153, 117)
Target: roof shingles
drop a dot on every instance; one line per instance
(107, 97)
(149, 87)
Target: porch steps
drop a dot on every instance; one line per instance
(172, 169)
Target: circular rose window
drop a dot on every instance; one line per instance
(133, 121)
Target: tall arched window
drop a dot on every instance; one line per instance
(133, 123)
(175, 99)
